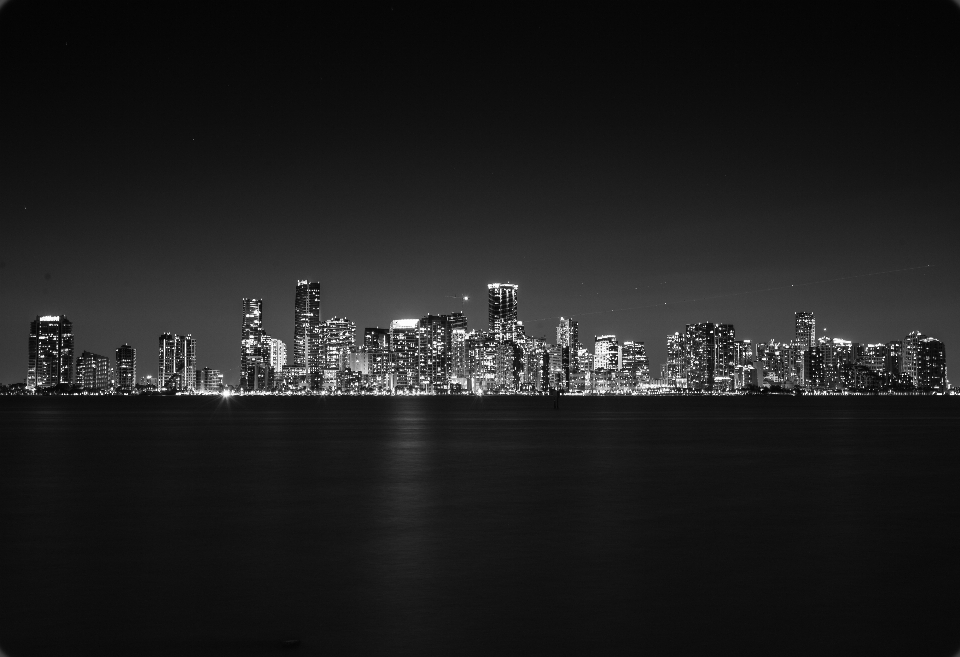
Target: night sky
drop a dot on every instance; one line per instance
(160, 161)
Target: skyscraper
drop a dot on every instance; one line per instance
(177, 362)
(806, 329)
(502, 310)
(50, 351)
(254, 350)
(568, 334)
(307, 352)
(633, 358)
(701, 346)
(126, 366)
(908, 356)
(434, 336)
(404, 348)
(931, 366)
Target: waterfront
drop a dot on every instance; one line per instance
(666, 526)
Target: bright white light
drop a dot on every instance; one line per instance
(225, 393)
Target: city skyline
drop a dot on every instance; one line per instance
(444, 353)
(692, 163)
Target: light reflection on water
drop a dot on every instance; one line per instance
(465, 526)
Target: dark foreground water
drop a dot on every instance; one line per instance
(461, 526)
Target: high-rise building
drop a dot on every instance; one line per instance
(908, 358)
(568, 333)
(50, 352)
(701, 344)
(278, 354)
(405, 352)
(931, 366)
(126, 366)
(177, 362)
(633, 359)
(254, 348)
(606, 353)
(806, 329)
(502, 310)
(338, 335)
(678, 360)
(92, 371)
(434, 337)
(307, 349)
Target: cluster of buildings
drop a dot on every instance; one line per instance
(441, 354)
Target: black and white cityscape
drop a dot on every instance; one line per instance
(444, 354)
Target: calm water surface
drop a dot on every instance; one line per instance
(464, 526)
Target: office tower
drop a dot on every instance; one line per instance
(209, 380)
(633, 359)
(177, 362)
(701, 346)
(126, 366)
(894, 360)
(50, 352)
(502, 310)
(457, 320)
(376, 345)
(507, 365)
(92, 371)
(908, 358)
(404, 349)
(814, 372)
(568, 333)
(434, 336)
(806, 329)
(338, 336)
(376, 337)
(606, 353)
(254, 348)
(306, 324)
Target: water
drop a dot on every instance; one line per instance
(650, 526)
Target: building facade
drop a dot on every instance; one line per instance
(50, 352)
(177, 362)
(126, 367)
(93, 371)
(502, 310)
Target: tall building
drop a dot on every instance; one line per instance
(177, 362)
(633, 358)
(337, 338)
(307, 351)
(93, 371)
(50, 351)
(126, 366)
(405, 352)
(678, 360)
(701, 346)
(568, 333)
(806, 329)
(278, 354)
(434, 337)
(606, 353)
(254, 348)
(502, 310)
(908, 357)
(931, 366)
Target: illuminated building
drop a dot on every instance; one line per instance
(908, 358)
(459, 359)
(931, 366)
(338, 335)
(307, 351)
(727, 356)
(50, 351)
(254, 348)
(633, 360)
(177, 362)
(806, 329)
(678, 360)
(894, 359)
(701, 347)
(813, 367)
(126, 366)
(93, 371)
(536, 371)
(433, 338)
(404, 349)
(502, 310)
(277, 350)
(606, 353)
(568, 333)
(376, 346)
(209, 380)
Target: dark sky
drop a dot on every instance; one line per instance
(160, 161)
